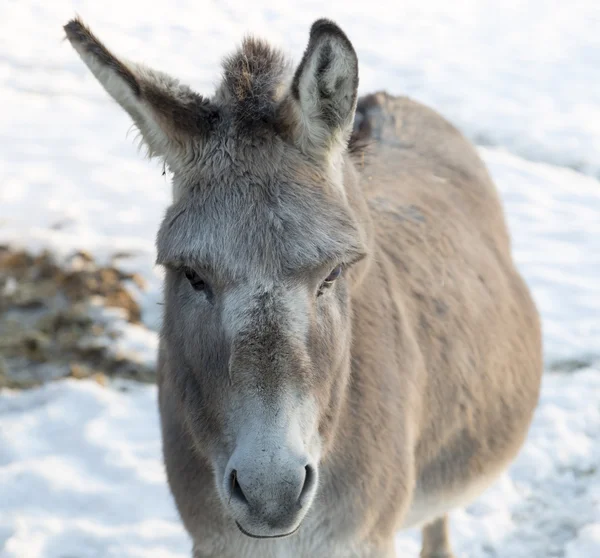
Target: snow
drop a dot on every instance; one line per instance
(587, 543)
(81, 475)
(80, 467)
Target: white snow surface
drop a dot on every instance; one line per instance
(80, 467)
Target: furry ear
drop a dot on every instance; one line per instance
(321, 102)
(170, 116)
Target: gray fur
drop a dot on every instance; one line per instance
(326, 415)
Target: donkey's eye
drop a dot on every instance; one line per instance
(335, 273)
(197, 283)
(329, 280)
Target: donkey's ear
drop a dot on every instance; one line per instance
(322, 99)
(170, 116)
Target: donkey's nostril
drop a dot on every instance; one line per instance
(236, 489)
(310, 478)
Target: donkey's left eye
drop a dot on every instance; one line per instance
(335, 273)
(197, 283)
(329, 280)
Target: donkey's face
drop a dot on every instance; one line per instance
(257, 326)
(258, 248)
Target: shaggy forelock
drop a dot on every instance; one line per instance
(254, 80)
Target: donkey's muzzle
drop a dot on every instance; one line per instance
(268, 498)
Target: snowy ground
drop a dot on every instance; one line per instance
(80, 469)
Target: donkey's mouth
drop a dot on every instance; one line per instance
(266, 536)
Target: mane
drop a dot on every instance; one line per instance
(361, 140)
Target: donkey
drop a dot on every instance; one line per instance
(347, 348)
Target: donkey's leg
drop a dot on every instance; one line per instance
(435, 539)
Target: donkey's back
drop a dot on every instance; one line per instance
(470, 334)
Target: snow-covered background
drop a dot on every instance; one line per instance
(80, 468)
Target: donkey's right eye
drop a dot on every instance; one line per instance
(197, 283)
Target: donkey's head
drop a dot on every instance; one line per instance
(259, 246)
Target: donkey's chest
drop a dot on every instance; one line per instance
(272, 549)
(292, 547)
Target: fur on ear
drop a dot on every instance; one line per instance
(321, 103)
(170, 116)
